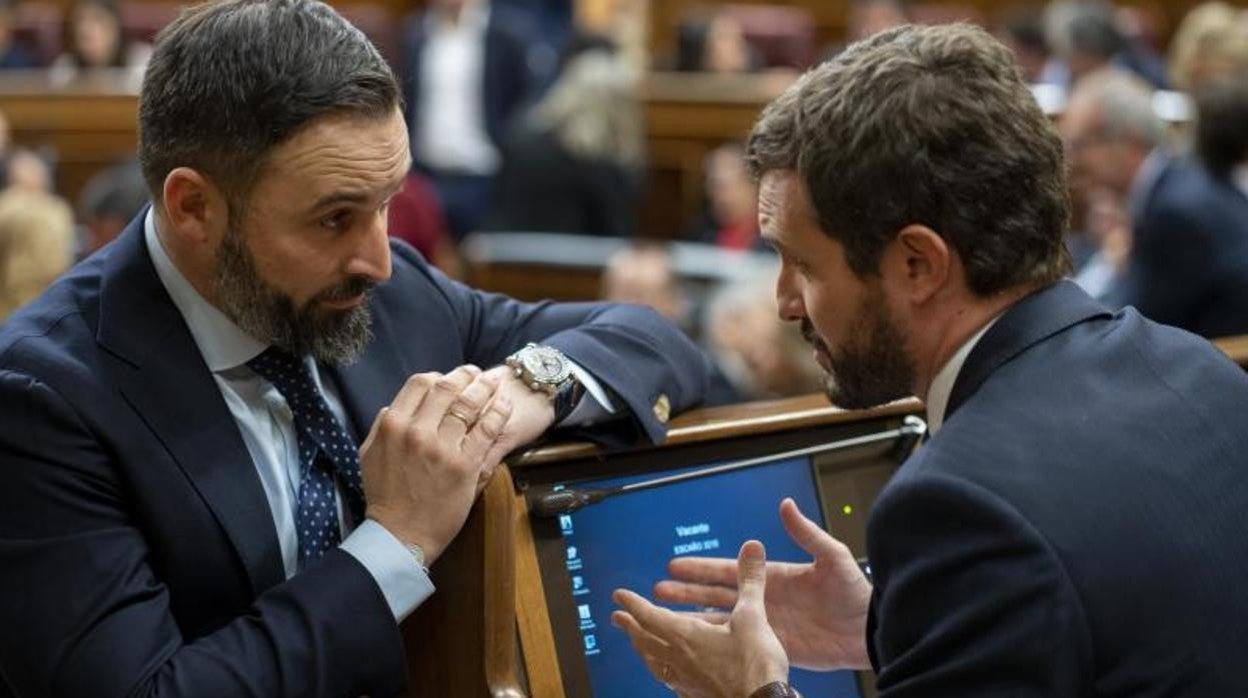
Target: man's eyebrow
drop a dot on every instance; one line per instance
(340, 197)
(773, 243)
(354, 197)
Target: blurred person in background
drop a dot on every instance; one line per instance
(1086, 36)
(108, 202)
(26, 170)
(467, 77)
(731, 219)
(762, 356)
(713, 41)
(20, 167)
(1023, 31)
(95, 39)
(573, 165)
(12, 55)
(1188, 260)
(1211, 42)
(1110, 133)
(642, 273)
(36, 246)
(868, 17)
(1222, 129)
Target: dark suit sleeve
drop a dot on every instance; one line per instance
(629, 348)
(85, 612)
(969, 599)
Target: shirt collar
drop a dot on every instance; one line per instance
(1240, 177)
(223, 344)
(942, 385)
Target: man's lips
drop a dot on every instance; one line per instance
(344, 303)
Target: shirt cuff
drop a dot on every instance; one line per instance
(594, 405)
(404, 583)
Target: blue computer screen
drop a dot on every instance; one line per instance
(627, 541)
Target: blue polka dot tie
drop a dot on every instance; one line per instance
(326, 454)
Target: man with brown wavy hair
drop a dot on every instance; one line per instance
(1073, 526)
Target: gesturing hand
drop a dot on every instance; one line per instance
(427, 452)
(697, 658)
(818, 609)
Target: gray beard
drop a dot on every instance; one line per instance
(333, 337)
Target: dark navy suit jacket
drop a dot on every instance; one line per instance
(1079, 526)
(137, 550)
(1189, 264)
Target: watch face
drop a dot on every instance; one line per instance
(545, 365)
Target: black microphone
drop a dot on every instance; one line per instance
(558, 502)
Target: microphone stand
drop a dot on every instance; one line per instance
(558, 502)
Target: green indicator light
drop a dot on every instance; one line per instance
(847, 509)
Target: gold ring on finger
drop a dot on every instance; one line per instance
(466, 419)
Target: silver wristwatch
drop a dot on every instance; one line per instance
(542, 368)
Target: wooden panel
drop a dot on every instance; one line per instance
(538, 283)
(1234, 347)
(686, 117)
(88, 125)
(541, 660)
(730, 421)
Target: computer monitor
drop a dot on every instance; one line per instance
(626, 541)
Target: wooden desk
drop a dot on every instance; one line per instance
(88, 124)
(686, 117)
(492, 630)
(1234, 347)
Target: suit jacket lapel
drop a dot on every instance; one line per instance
(170, 386)
(1033, 319)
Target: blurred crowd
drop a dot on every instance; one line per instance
(520, 120)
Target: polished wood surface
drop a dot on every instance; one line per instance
(686, 117)
(541, 659)
(85, 125)
(734, 420)
(1234, 347)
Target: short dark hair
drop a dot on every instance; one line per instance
(1222, 123)
(933, 126)
(230, 80)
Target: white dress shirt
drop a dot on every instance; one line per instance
(937, 401)
(449, 129)
(267, 426)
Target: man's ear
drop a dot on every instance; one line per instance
(195, 208)
(917, 263)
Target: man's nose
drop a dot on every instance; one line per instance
(372, 256)
(788, 301)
